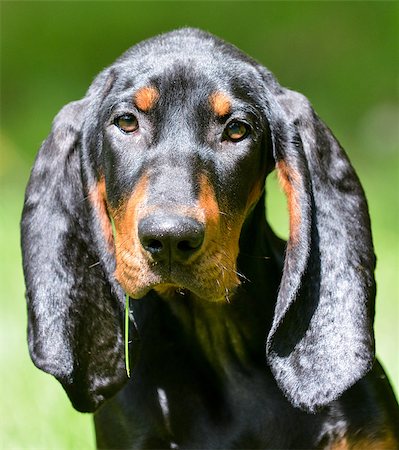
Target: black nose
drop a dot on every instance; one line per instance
(170, 237)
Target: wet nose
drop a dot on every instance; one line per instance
(170, 237)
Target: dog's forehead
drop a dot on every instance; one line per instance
(187, 63)
(187, 82)
(186, 46)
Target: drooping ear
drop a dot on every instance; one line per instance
(75, 308)
(321, 341)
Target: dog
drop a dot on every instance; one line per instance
(152, 186)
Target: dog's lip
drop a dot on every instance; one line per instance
(169, 290)
(164, 289)
(173, 292)
(177, 281)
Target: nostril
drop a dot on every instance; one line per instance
(153, 239)
(186, 246)
(153, 245)
(191, 243)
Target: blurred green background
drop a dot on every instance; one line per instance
(342, 55)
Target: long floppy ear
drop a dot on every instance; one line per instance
(321, 341)
(75, 308)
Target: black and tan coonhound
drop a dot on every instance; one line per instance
(153, 185)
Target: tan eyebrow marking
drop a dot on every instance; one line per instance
(146, 97)
(220, 103)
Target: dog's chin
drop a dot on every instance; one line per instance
(171, 291)
(175, 292)
(177, 283)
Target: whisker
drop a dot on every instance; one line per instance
(86, 197)
(248, 255)
(95, 264)
(242, 276)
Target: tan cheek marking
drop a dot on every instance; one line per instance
(222, 232)
(126, 236)
(126, 214)
(146, 98)
(342, 444)
(220, 103)
(98, 198)
(208, 203)
(289, 179)
(388, 442)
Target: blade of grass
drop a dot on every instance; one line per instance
(127, 363)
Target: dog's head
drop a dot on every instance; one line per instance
(145, 184)
(181, 160)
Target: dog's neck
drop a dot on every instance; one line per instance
(220, 335)
(234, 332)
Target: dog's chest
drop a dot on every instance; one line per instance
(245, 411)
(207, 386)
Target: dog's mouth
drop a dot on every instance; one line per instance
(210, 278)
(172, 292)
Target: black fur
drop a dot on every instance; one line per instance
(200, 377)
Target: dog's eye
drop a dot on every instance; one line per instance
(127, 123)
(236, 131)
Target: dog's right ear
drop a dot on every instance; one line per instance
(75, 308)
(321, 341)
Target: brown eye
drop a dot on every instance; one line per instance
(127, 123)
(236, 131)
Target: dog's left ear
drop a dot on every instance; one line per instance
(321, 341)
(75, 306)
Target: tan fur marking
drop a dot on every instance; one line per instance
(98, 198)
(210, 274)
(289, 180)
(220, 103)
(131, 266)
(208, 203)
(385, 442)
(342, 444)
(223, 232)
(146, 97)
